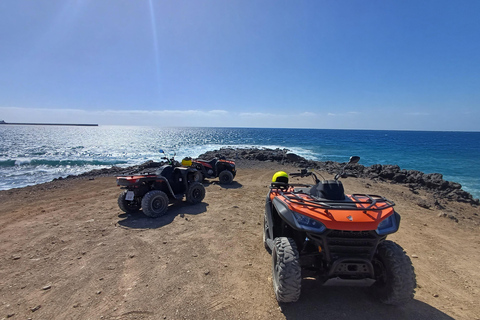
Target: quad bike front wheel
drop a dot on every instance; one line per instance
(126, 205)
(225, 177)
(198, 177)
(195, 193)
(287, 273)
(395, 276)
(155, 203)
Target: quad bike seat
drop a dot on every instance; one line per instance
(328, 190)
(165, 171)
(209, 162)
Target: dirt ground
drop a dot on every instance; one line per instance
(68, 252)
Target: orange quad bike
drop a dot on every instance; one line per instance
(318, 231)
(220, 167)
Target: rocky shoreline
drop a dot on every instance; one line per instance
(434, 183)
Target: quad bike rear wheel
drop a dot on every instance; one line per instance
(395, 276)
(225, 177)
(287, 273)
(155, 203)
(195, 193)
(126, 205)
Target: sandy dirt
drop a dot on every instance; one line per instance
(68, 252)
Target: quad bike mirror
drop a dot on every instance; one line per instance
(354, 159)
(342, 174)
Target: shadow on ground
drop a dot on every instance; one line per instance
(329, 302)
(233, 185)
(140, 221)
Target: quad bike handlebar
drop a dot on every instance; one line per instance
(305, 173)
(342, 174)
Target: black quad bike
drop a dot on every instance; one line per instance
(318, 231)
(153, 192)
(217, 167)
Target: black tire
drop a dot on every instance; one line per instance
(195, 193)
(287, 273)
(198, 177)
(128, 206)
(395, 276)
(155, 203)
(225, 177)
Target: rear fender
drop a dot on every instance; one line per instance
(162, 184)
(224, 165)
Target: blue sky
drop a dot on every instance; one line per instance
(407, 65)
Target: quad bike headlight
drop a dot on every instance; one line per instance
(309, 223)
(388, 225)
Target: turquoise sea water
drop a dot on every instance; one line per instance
(36, 154)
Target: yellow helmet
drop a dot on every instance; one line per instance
(280, 176)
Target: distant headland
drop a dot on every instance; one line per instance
(49, 124)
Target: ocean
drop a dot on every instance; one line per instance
(35, 154)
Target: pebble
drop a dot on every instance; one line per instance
(435, 295)
(46, 287)
(207, 272)
(35, 308)
(414, 256)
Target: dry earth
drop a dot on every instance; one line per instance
(67, 252)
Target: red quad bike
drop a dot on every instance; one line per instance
(153, 192)
(318, 231)
(217, 167)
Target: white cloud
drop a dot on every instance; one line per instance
(256, 114)
(344, 114)
(308, 114)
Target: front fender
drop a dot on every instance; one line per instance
(286, 214)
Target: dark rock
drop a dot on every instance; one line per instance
(294, 158)
(399, 177)
(389, 171)
(424, 204)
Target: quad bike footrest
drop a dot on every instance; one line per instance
(179, 196)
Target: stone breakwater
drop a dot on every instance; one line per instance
(415, 180)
